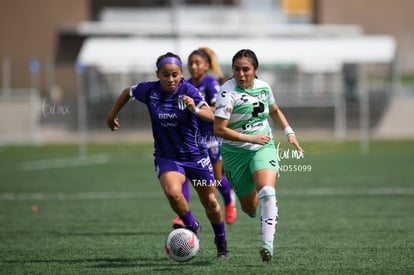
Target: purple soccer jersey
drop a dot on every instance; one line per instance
(175, 128)
(209, 89)
(178, 144)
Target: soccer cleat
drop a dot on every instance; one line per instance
(266, 252)
(222, 251)
(231, 213)
(178, 223)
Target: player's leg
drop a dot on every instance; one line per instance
(207, 195)
(171, 175)
(249, 203)
(224, 187)
(171, 183)
(238, 173)
(265, 167)
(186, 190)
(212, 208)
(177, 222)
(266, 180)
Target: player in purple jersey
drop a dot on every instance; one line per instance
(174, 106)
(200, 62)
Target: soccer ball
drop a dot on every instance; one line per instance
(181, 245)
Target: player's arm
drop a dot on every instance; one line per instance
(204, 112)
(111, 119)
(220, 129)
(279, 118)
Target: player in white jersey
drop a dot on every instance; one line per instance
(248, 150)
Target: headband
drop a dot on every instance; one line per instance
(169, 60)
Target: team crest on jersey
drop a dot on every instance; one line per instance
(181, 104)
(262, 94)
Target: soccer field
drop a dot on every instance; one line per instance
(340, 213)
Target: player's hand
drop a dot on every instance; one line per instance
(293, 140)
(261, 139)
(113, 123)
(189, 102)
(256, 139)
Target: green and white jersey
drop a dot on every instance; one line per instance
(246, 110)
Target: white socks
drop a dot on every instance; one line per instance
(269, 214)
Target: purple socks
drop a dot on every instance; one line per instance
(219, 232)
(189, 221)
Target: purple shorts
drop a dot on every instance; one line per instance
(200, 170)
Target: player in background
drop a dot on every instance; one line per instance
(174, 106)
(200, 63)
(249, 154)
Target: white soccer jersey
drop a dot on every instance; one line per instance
(246, 110)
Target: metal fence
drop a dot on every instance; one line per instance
(353, 97)
(339, 92)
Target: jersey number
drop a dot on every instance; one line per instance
(258, 107)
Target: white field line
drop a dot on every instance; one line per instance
(350, 192)
(78, 196)
(64, 162)
(155, 194)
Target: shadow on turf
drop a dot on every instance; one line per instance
(162, 264)
(119, 262)
(108, 233)
(146, 262)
